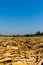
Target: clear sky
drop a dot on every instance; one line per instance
(21, 16)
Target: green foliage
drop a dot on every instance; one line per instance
(38, 33)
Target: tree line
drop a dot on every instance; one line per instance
(38, 33)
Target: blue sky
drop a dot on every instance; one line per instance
(21, 16)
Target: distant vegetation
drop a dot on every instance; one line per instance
(38, 33)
